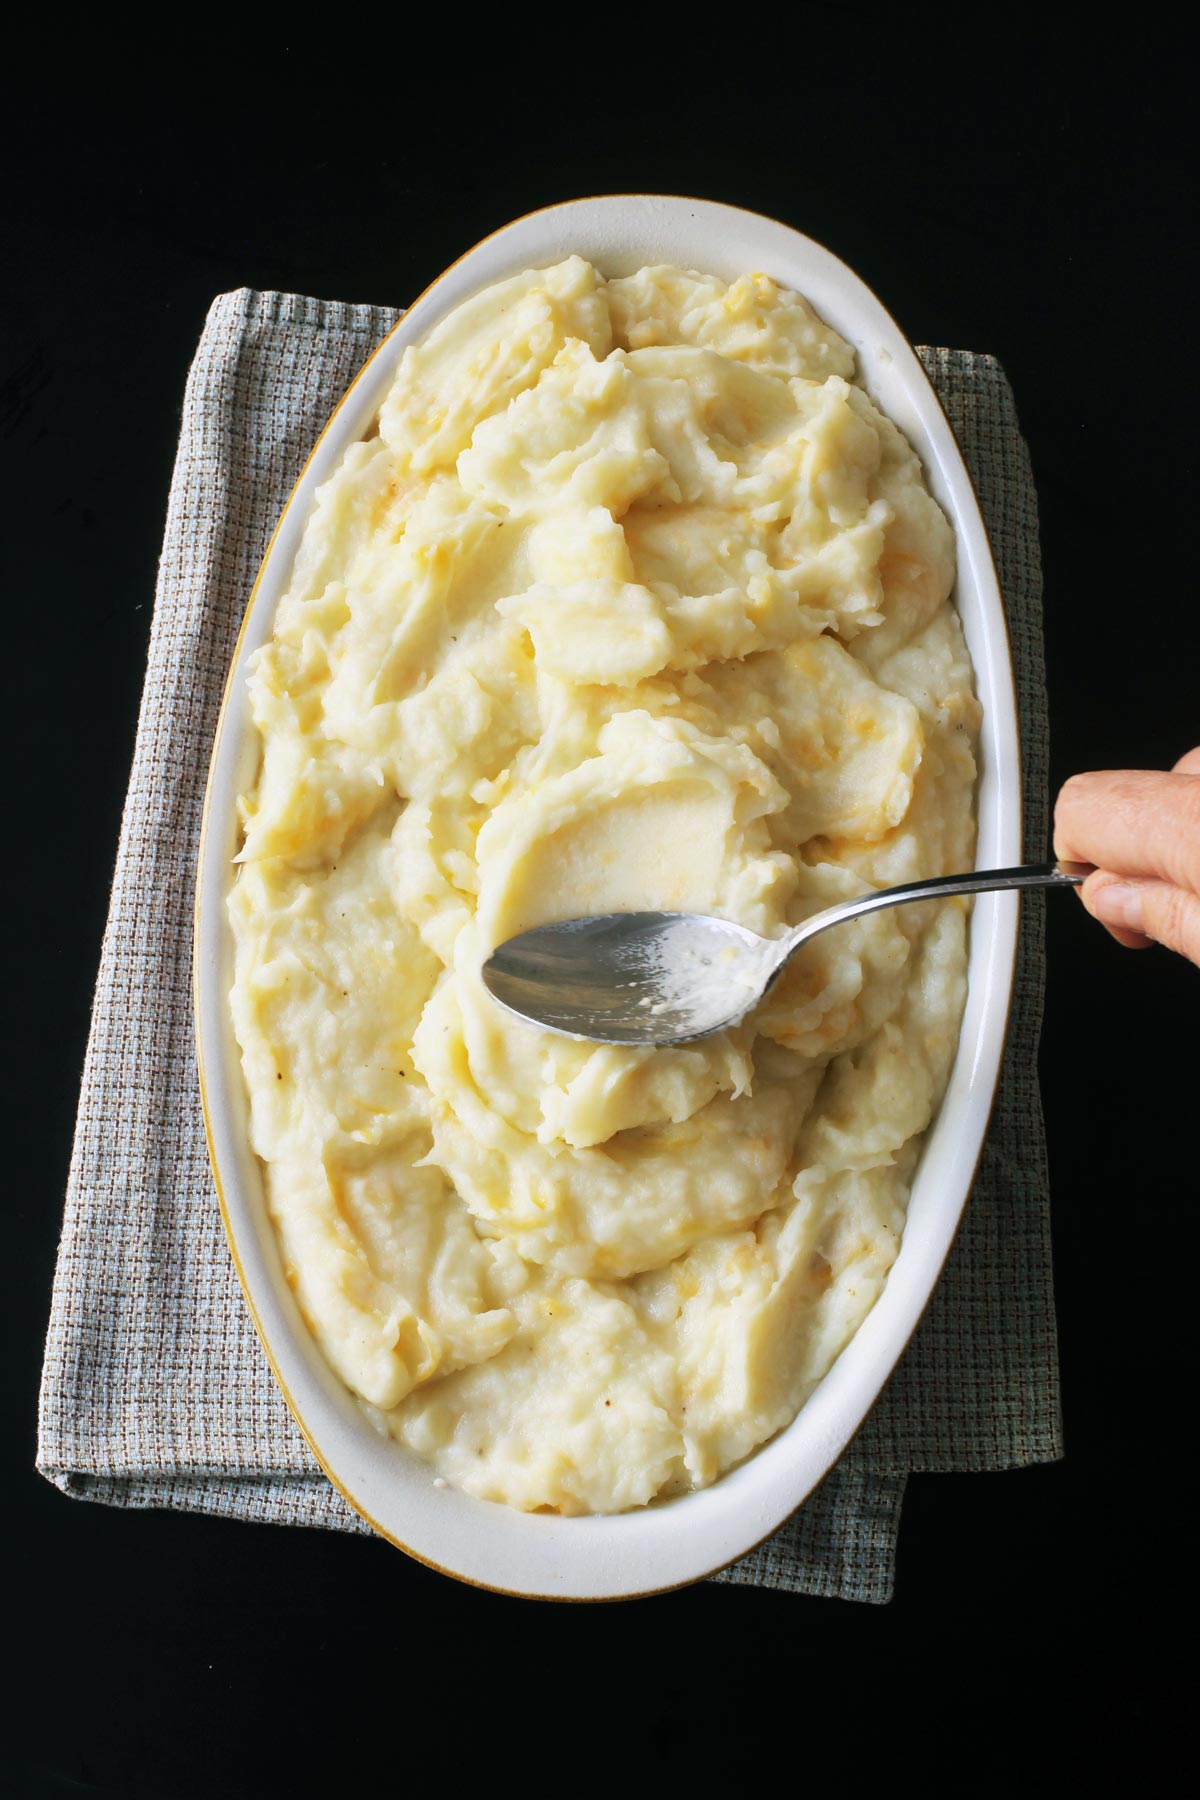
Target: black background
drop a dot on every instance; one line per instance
(1024, 199)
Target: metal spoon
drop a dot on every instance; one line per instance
(669, 978)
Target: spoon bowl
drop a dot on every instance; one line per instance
(669, 978)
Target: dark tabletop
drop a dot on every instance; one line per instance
(1027, 202)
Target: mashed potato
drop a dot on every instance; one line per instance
(633, 600)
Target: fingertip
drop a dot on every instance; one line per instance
(1095, 883)
(1071, 795)
(1117, 906)
(1129, 940)
(1119, 903)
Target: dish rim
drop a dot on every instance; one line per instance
(999, 912)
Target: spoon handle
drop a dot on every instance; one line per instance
(1028, 875)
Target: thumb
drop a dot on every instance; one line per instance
(1152, 909)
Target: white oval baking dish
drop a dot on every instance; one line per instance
(664, 1545)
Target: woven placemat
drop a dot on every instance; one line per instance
(155, 1390)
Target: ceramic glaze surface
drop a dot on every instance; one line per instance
(660, 1546)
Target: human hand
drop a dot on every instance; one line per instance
(1141, 828)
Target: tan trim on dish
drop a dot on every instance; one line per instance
(201, 864)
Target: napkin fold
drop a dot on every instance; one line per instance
(155, 1389)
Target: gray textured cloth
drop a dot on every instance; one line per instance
(155, 1390)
